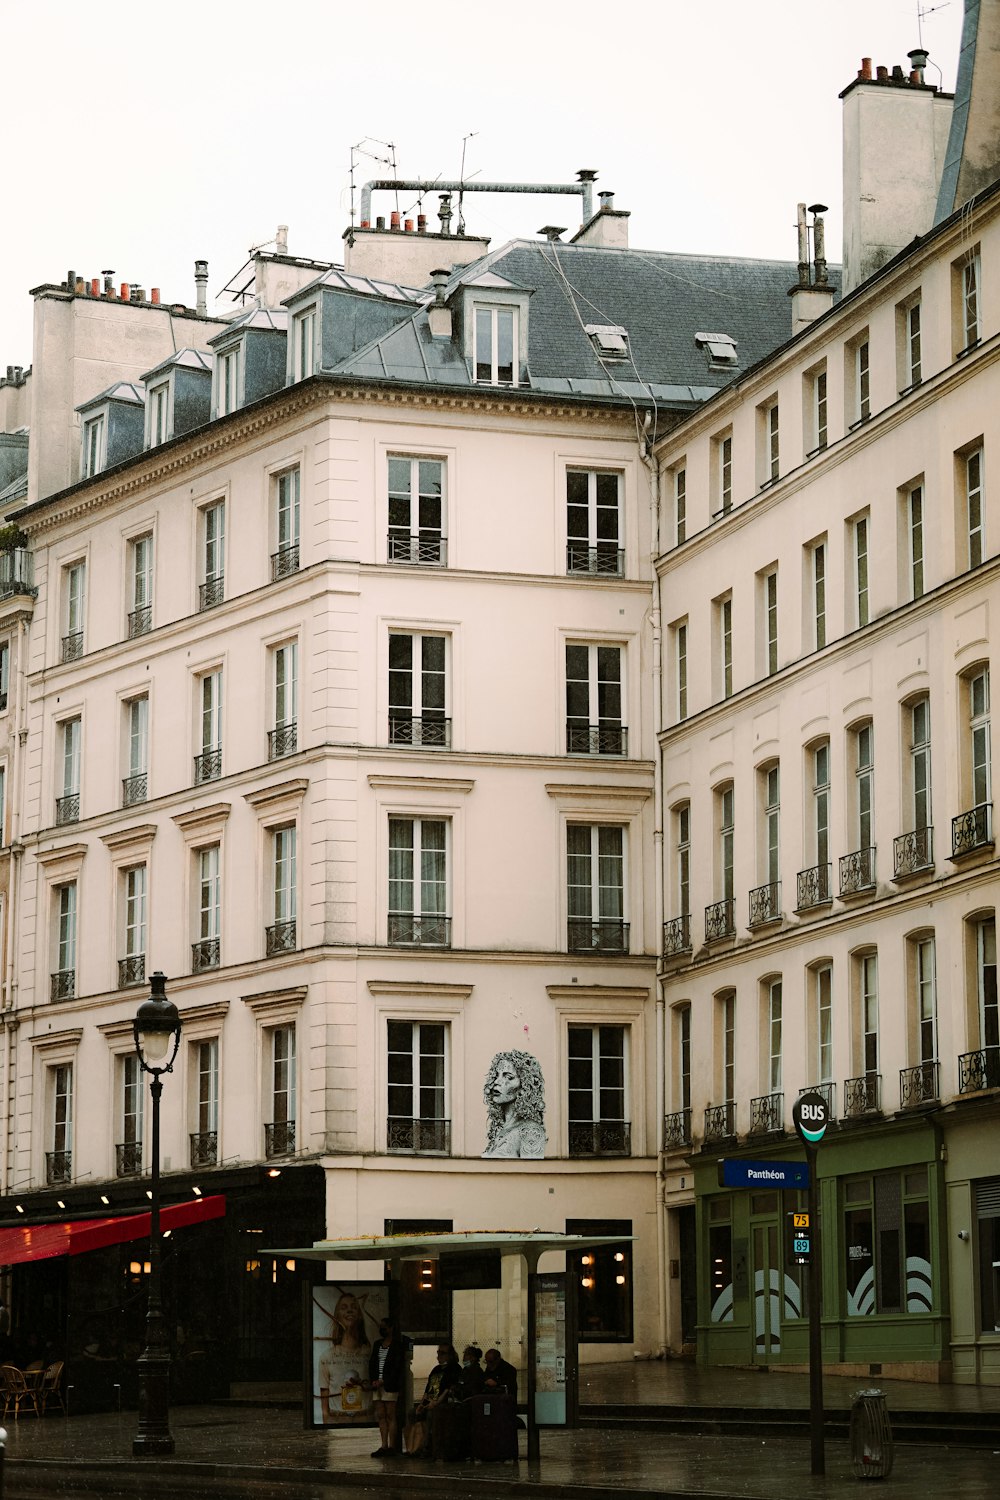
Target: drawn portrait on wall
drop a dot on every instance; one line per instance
(345, 1319)
(514, 1093)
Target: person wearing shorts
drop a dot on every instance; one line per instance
(385, 1373)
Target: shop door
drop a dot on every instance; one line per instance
(768, 1292)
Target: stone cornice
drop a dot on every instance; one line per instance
(419, 989)
(274, 1000)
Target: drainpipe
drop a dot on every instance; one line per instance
(652, 464)
(13, 898)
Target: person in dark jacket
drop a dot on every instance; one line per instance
(473, 1374)
(386, 1369)
(446, 1375)
(500, 1376)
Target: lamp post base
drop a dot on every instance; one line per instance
(154, 1437)
(152, 1445)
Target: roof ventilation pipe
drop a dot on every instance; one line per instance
(819, 243)
(201, 287)
(918, 62)
(583, 189)
(439, 313)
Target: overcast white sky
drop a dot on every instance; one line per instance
(140, 138)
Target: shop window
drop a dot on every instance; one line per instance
(720, 1261)
(603, 1282)
(988, 1224)
(424, 1305)
(887, 1243)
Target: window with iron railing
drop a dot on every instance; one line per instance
(594, 523)
(417, 511)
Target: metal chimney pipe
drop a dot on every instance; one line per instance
(201, 287)
(281, 239)
(582, 189)
(819, 243)
(803, 245)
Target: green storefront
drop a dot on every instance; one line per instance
(884, 1263)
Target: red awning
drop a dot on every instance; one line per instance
(42, 1241)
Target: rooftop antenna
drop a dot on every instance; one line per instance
(387, 161)
(927, 10)
(460, 228)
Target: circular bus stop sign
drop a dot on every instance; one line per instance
(811, 1116)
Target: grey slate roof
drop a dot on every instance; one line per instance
(16, 490)
(272, 319)
(122, 390)
(188, 359)
(365, 286)
(663, 300)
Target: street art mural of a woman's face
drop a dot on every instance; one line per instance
(514, 1093)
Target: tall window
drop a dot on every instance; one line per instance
(416, 510)
(158, 403)
(418, 690)
(594, 700)
(304, 343)
(594, 522)
(971, 325)
(279, 1133)
(723, 473)
(823, 981)
(724, 624)
(920, 762)
(4, 673)
(598, 1091)
(205, 950)
(417, 1072)
(774, 1036)
(770, 787)
(208, 764)
(683, 1032)
(132, 968)
(281, 937)
(228, 376)
(129, 1148)
(820, 423)
(769, 586)
(213, 558)
(140, 618)
(3, 805)
(974, 507)
(283, 738)
(728, 1049)
(59, 1165)
(418, 881)
(819, 593)
(64, 977)
(135, 783)
(925, 978)
(770, 466)
(682, 853)
(915, 538)
(94, 446)
(74, 595)
(979, 726)
(868, 983)
(726, 816)
(68, 802)
(205, 1138)
(495, 355)
(595, 883)
(986, 986)
(821, 802)
(862, 383)
(285, 559)
(680, 504)
(860, 531)
(914, 361)
(864, 784)
(681, 668)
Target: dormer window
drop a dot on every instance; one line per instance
(228, 366)
(157, 414)
(304, 350)
(720, 348)
(609, 340)
(496, 345)
(95, 439)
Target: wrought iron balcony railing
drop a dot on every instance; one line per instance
(62, 984)
(68, 809)
(919, 1085)
(204, 1148)
(208, 766)
(862, 1096)
(418, 1135)
(812, 887)
(428, 931)
(913, 852)
(140, 621)
(720, 919)
(428, 731)
(857, 872)
(418, 547)
(607, 558)
(979, 1070)
(204, 954)
(17, 573)
(284, 561)
(128, 1159)
(606, 935)
(282, 741)
(720, 1122)
(600, 1138)
(677, 936)
(131, 970)
(677, 1130)
(58, 1167)
(72, 646)
(279, 1138)
(211, 592)
(829, 1093)
(972, 830)
(135, 788)
(596, 739)
(281, 938)
(767, 1114)
(765, 904)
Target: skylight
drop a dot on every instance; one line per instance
(720, 348)
(610, 340)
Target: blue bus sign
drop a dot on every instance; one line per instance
(771, 1174)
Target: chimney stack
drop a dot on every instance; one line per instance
(281, 239)
(439, 313)
(201, 287)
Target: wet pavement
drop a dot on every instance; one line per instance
(264, 1453)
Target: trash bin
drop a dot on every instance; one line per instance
(871, 1436)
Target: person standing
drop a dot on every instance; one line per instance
(386, 1368)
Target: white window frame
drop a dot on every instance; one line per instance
(860, 541)
(131, 1101)
(285, 683)
(304, 329)
(489, 356)
(597, 510)
(141, 559)
(137, 735)
(818, 581)
(823, 990)
(682, 849)
(410, 860)
(210, 710)
(95, 445)
(986, 994)
(680, 504)
(72, 732)
(158, 408)
(725, 797)
(925, 986)
(680, 633)
(980, 736)
(863, 738)
(283, 1070)
(820, 762)
(774, 1034)
(213, 541)
(75, 597)
(209, 887)
(919, 714)
(603, 847)
(601, 693)
(134, 896)
(820, 412)
(722, 460)
(915, 539)
(912, 344)
(598, 1060)
(420, 1031)
(975, 510)
(66, 898)
(284, 872)
(413, 481)
(725, 618)
(61, 1118)
(868, 1002)
(229, 367)
(770, 850)
(422, 721)
(971, 282)
(769, 604)
(206, 1073)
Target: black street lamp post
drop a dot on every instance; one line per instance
(157, 1031)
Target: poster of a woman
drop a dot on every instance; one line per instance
(345, 1321)
(514, 1094)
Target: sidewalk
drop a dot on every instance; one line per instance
(245, 1451)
